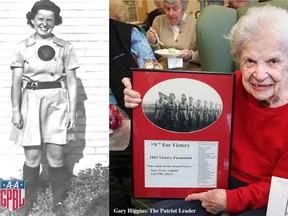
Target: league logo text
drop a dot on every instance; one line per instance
(12, 194)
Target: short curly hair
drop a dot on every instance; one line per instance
(44, 5)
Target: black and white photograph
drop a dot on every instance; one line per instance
(53, 130)
(182, 105)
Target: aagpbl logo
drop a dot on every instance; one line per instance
(12, 194)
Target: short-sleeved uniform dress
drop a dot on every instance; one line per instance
(44, 111)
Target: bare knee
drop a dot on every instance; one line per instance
(33, 156)
(55, 160)
(55, 155)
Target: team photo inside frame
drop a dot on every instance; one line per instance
(181, 132)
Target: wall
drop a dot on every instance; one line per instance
(85, 25)
(150, 5)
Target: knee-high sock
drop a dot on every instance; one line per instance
(58, 177)
(31, 177)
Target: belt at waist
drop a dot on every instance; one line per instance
(43, 85)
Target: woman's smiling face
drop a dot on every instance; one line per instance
(44, 23)
(264, 68)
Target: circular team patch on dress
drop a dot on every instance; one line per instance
(46, 53)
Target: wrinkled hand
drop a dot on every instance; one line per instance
(151, 36)
(186, 54)
(71, 121)
(17, 119)
(131, 97)
(214, 201)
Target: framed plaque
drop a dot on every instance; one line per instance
(181, 132)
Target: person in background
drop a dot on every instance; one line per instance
(191, 114)
(171, 109)
(198, 114)
(159, 112)
(238, 3)
(128, 49)
(259, 42)
(183, 113)
(205, 114)
(44, 96)
(175, 30)
(151, 15)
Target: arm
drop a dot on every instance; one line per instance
(254, 195)
(17, 118)
(71, 82)
(70, 65)
(141, 50)
(151, 34)
(191, 53)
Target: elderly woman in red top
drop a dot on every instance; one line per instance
(44, 91)
(259, 42)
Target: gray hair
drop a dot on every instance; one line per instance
(258, 22)
(118, 10)
(184, 3)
